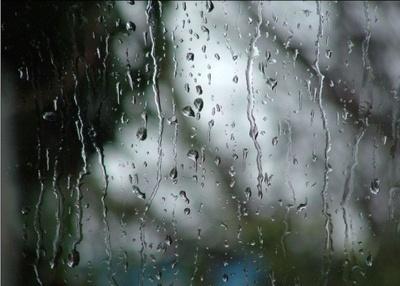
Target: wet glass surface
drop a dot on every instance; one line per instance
(200, 143)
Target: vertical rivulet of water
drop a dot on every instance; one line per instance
(250, 101)
(327, 148)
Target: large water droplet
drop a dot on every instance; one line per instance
(247, 192)
(375, 186)
(199, 90)
(184, 196)
(301, 206)
(173, 174)
(25, 210)
(130, 26)
(168, 240)
(198, 104)
(73, 258)
(49, 116)
(369, 260)
(328, 53)
(209, 5)
(186, 87)
(172, 120)
(307, 12)
(138, 192)
(193, 155)
(272, 83)
(141, 134)
(190, 56)
(188, 111)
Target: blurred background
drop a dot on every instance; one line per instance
(200, 143)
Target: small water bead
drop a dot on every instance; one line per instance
(144, 116)
(158, 275)
(245, 153)
(274, 141)
(225, 278)
(224, 226)
(232, 171)
(235, 79)
(314, 157)
(57, 255)
(206, 30)
(307, 12)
